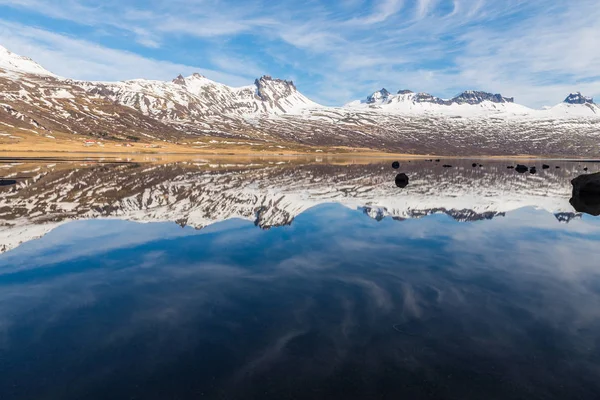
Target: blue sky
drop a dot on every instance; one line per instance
(335, 51)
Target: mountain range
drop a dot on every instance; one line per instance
(273, 111)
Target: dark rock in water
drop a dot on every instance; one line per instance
(447, 166)
(395, 165)
(585, 169)
(532, 170)
(586, 194)
(510, 167)
(438, 160)
(480, 165)
(545, 166)
(474, 165)
(401, 180)
(521, 168)
(7, 182)
(557, 166)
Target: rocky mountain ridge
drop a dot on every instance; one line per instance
(471, 97)
(272, 111)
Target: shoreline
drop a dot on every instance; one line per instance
(64, 146)
(6, 154)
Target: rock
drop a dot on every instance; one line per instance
(585, 169)
(401, 180)
(447, 166)
(510, 167)
(578, 98)
(586, 194)
(379, 96)
(545, 166)
(474, 165)
(520, 168)
(532, 170)
(7, 182)
(478, 97)
(438, 160)
(557, 166)
(395, 165)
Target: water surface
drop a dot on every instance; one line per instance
(284, 279)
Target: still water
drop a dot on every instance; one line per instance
(284, 279)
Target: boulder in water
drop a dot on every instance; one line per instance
(586, 194)
(545, 166)
(395, 165)
(401, 180)
(7, 182)
(520, 168)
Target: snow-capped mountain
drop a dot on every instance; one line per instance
(472, 97)
(273, 112)
(270, 194)
(16, 64)
(196, 97)
(577, 104)
(578, 98)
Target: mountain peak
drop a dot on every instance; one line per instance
(578, 98)
(467, 97)
(10, 61)
(270, 89)
(180, 80)
(379, 95)
(476, 97)
(268, 79)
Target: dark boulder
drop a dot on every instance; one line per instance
(510, 167)
(7, 182)
(438, 160)
(447, 166)
(521, 168)
(474, 165)
(401, 180)
(395, 165)
(586, 194)
(585, 169)
(545, 166)
(532, 170)
(557, 167)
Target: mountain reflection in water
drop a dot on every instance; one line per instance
(464, 284)
(269, 193)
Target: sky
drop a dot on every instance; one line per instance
(335, 51)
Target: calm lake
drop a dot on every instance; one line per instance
(296, 279)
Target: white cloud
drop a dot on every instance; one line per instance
(535, 51)
(80, 59)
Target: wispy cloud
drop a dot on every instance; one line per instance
(535, 51)
(81, 59)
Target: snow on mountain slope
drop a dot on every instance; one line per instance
(14, 63)
(192, 98)
(576, 105)
(273, 112)
(470, 104)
